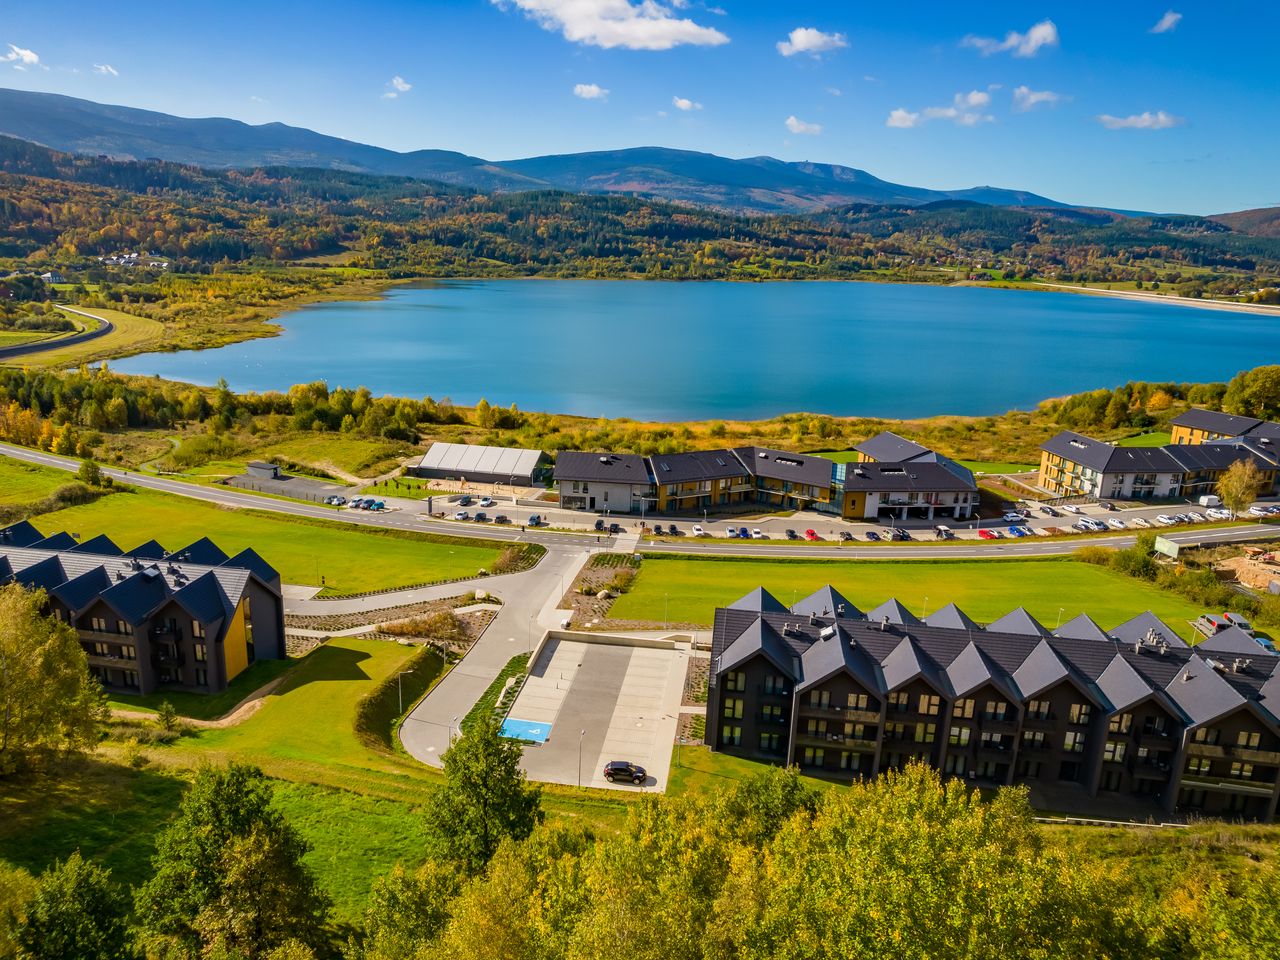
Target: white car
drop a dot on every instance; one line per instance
(1097, 525)
(1140, 522)
(1256, 511)
(1165, 520)
(1071, 508)
(698, 531)
(1115, 523)
(1195, 517)
(462, 515)
(1012, 517)
(1220, 513)
(758, 534)
(486, 501)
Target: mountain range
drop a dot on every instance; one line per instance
(750, 185)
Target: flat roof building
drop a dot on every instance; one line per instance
(480, 464)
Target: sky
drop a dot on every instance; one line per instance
(1129, 104)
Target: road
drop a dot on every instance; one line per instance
(406, 519)
(103, 327)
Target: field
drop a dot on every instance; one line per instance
(11, 338)
(344, 558)
(1146, 440)
(131, 335)
(996, 466)
(691, 589)
(25, 482)
(200, 706)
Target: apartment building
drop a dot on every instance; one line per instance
(701, 480)
(604, 482)
(1072, 464)
(1131, 712)
(789, 481)
(1205, 426)
(191, 619)
(899, 491)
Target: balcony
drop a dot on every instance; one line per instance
(1034, 745)
(1157, 740)
(105, 636)
(840, 713)
(1150, 770)
(1212, 750)
(166, 658)
(804, 738)
(1268, 757)
(995, 749)
(769, 719)
(1249, 788)
(765, 692)
(110, 659)
(1006, 724)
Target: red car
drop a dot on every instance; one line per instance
(986, 535)
(811, 535)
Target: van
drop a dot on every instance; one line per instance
(1209, 500)
(1211, 624)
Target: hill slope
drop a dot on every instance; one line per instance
(1262, 222)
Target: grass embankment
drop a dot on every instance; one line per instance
(24, 483)
(690, 589)
(488, 701)
(996, 466)
(201, 706)
(131, 335)
(12, 338)
(349, 559)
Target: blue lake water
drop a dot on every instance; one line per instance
(676, 351)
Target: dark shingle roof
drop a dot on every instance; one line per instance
(833, 654)
(1107, 458)
(915, 476)
(827, 602)
(1218, 455)
(1233, 640)
(1083, 628)
(203, 551)
(204, 599)
(100, 544)
(696, 465)
(1201, 693)
(759, 600)
(249, 559)
(604, 467)
(781, 465)
(1042, 669)
(888, 447)
(58, 541)
(151, 550)
(1019, 621)
(953, 618)
(895, 612)
(78, 592)
(1122, 685)
(761, 638)
(20, 534)
(1144, 625)
(973, 669)
(907, 662)
(1216, 422)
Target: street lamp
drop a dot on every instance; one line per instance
(666, 620)
(1059, 623)
(580, 738)
(400, 688)
(452, 724)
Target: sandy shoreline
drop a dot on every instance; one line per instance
(1262, 308)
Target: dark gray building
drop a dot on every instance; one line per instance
(1132, 712)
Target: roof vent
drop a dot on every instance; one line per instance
(840, 610)
(1137, 647)
(1216, 664)
(1186, 675)
(813, 620)
(884, 624)
(762, 455)
(1164, 647)
(1237, 664)
(827, 633)
(604, 459)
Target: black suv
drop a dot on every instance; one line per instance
(623, 770)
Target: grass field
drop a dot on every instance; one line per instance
(25, 482)
(1146, 440)
(691, 589)
(131, 335)
(996, 466)
(11, 338)
(349, 559)
(202, 706)
(339, 453)
(838, 456)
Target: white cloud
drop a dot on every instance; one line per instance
(106, 70)
(590, 91)
(681, 103)
(810, 41)
(965, 110)
(1168, 22)
(796, 125)
(398, 85)
(1024, 98)
(648, 25)
(835, 91)
(1042, 34)
(1141, 121)
(254, 98)
(20, 57)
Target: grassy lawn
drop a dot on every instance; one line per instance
(691, 589)
(200, 706)
(488, 701)
(1146, 440)
(838, 456)
(11, 338)
(414, 489)
(26, 482)
(359, 456)
(131, 335)
(350, 559)
(996, 466)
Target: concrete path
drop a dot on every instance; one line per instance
(497, 585)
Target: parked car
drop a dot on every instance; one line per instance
(1071, 508)
(1140, 522)
(1048, 511)
(1209, 500)
(464, 500)
(673, 530)
(1017, 531)
(1194, 517)
(1165, 520)
(462, 515)
(732, 533)
(1012, 517)
(616, 770)
(900, 534)
(1106, 505)
(1219, 513)
(1238, 621)
(1115, 523)
(501, 518)
(614, 529)
(535, 520)
(481, 517)
(845, 536)
(792, 535)
(354, 503)
(1211, 623)
(811, 535)
(657, 530)
(758, 534)
(1273, 510)
(986, 534)
(744, 533)
(379, 505)
(697, 530)
(486, 501)
(1257, 511)
(599, 525)
(873, 536)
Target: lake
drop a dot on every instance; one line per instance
(679, 351)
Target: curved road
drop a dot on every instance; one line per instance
(104, 327)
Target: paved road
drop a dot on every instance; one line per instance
(407, 520)
(26, 349)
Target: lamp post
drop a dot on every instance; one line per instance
(400, 688)
(1059, 623)
(666, 620)
(580, 738)
(452, 724)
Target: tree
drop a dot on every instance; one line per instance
(407, 911)
(1238, 486)
(77, 913)
(90, 473)
(485, 798)
(215, 863)
(1254, 393)
(167, 717)
(48, 700)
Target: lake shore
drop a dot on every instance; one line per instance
(1264, 309)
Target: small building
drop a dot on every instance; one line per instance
(476, 463)
(261, 470)
(613, 482)
(53, 276)
(900, 491)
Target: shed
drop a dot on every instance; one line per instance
(261, 470)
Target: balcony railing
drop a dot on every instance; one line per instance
(771, 719)
(110, 658)
(1269, 757)
(1227, 785)
(834, 740)
(842, 713)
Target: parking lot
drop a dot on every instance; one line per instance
(604, 701)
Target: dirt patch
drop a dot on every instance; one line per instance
(1254, 573)
(365, 618)
(692, 729)
(695, 680)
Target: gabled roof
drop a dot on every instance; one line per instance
(151, 550)
(20, 534)
(1108, 458)
(135, 598)
(760, 639)
(101, 544)
(888, 447)
(1201, 693)
(6, 569)
(911, 477)
(464, 458)
(1020, 622)
(1083, 627)
(79, 592)
(45, 574)
(1042, 669)
(834, 654)
(696, 465)
(204, 551)
(1219, 455)
(58, 541)
(895, 612)
(1144, 625)
(250, 560)
(783, 465)
(827, 602)
(953, 618)
(1122, 685)
(759, 600)
(1216, 422)
(908, 661)
(1234, 640)
(602, 467)
(973, 669)
(204, 600)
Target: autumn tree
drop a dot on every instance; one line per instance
(77, 913)
(406, 912)
(49, 703)
(1254, 393)
(1239, 484)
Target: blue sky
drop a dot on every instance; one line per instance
(1124, 104)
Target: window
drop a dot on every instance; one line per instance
(1120, 723)
(816, 728)
(960, 736)
(769, 742)
(929, 705)
(125, 628)
(1198, 766)
(1073, 742)
(1032, 739)
(735, 682)
(1038, 710)
(992, 741)
(202, 652)
(855, 731)
(774, 684)
(899, 702)
(820, 699)
(962, 709)
(850, 761)
(1207, 735)
(98, 624)
(814, 756)
(731, 736)
(925, 732)
(858, 701)
(1242, 771)
(996, 710)
(1080, 713)
(733, 708)
(129, 678)
(1029, 769)
(895, 730)
(1248, 740)
(202, 677)
(129, 651)
(772, 713)
(101, 649)
(197, 628)
(1113, 752)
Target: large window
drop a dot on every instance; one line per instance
(960, 736)
(1242, 771)
(900, 702)
(929, 705)
(1080, 713)
(769, 742)
(733, 708)
(962, 709)
(858, 701)
(996, 710)
(1250, 740)
(1032, 739)
(1073, 742)
(1038, 710)
(1113, 752)
(1208, 735)
(772, 712)
(731, 736)
(925, 732)
(774, 684)
(1120, 723)
(820, 699)
(202, 652)
(736, 681)
(814, 756)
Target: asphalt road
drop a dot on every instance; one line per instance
(409, 520)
